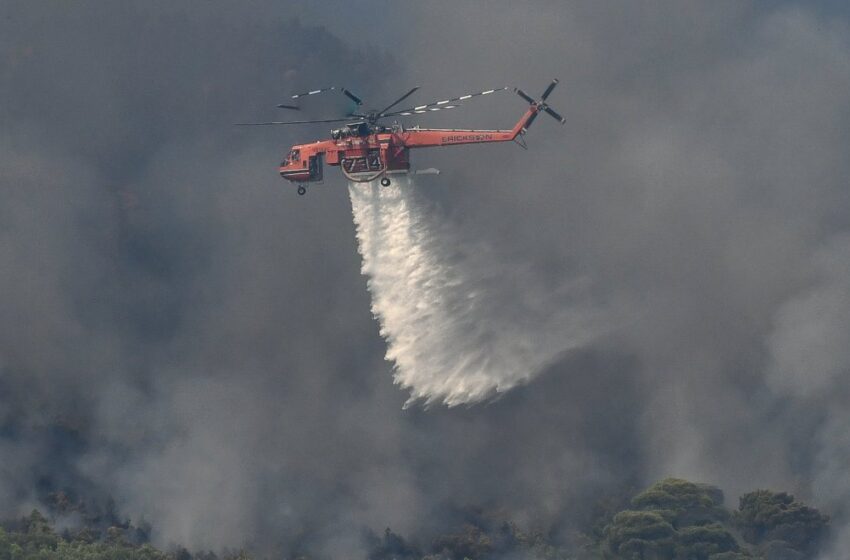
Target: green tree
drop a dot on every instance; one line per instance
(703, 542)
(765, 517)
(683, 503)
(673, 520)
(5, 546)
(640, 535)
(39, 536)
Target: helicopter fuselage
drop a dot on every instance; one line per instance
(365, 153)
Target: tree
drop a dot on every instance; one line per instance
(5, 546)
(704, 542)
(764, 517)
(673, 520)
(472, 543)
(683, 503)
(39, 535)
(640, 535)
(391, 546)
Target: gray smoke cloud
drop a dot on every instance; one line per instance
(182, 333)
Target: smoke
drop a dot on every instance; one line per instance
(182, 333)
(460, 325)
(809, 347)
(810, 341)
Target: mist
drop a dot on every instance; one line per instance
(185, 335)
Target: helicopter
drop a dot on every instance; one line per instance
(365, 150)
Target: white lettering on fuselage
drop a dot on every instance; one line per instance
(459, 138)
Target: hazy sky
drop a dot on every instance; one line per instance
(182, 332)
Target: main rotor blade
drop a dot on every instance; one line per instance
(293, 122)
(556, 115)
(284, 106)
(549, 89)
(530, 120)
(524, 96)
(421, 111)
(441, 104)
(314, 92)
(397, 101)
(344, 91)
(351, 96)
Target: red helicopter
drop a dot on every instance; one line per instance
(366, 150)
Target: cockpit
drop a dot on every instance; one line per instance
(294, 156)
(302, 164)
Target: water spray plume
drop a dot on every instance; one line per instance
(460, 325)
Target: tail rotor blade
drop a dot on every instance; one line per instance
(549, 89)
(555, 115)
(540, 106)
(524, 95)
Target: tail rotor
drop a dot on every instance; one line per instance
(540, 105)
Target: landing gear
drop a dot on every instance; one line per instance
(302, 190)
(385, 181)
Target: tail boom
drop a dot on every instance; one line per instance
(432, 137)
(429, 137)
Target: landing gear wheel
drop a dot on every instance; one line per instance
(385, 181)
(302, 190)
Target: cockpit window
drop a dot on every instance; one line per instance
(293, 156)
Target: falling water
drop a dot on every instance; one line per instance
(460, 325)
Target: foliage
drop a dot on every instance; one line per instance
(35, 539)
(491, 534)
(536, 543)
(673, 519)
(766, 517)
(641, 535)
(705, 542)
(683, 503)
(679, 520)
(390, 545)
(471, 542)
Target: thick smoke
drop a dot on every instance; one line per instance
(185, 335)
(460, 325)
(810, 366)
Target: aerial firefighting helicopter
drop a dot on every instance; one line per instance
(366, 150)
